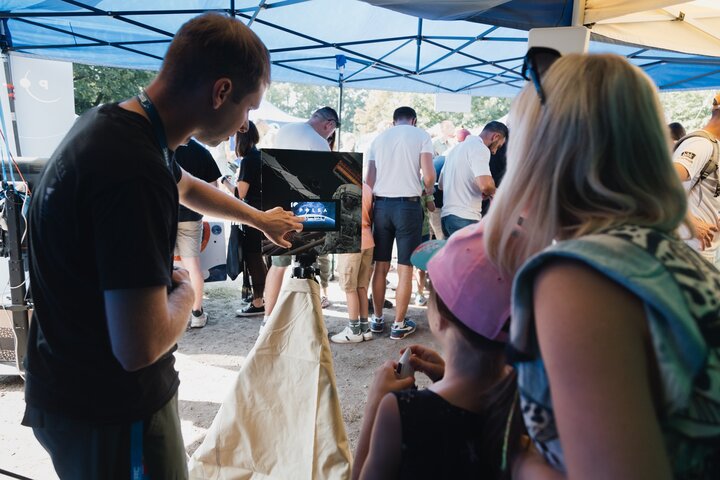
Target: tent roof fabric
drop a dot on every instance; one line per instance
(359, 43)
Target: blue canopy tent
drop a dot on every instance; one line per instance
(424, 46)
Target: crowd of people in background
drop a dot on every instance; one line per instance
(410, 177)
(578, 319)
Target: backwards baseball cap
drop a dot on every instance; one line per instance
(467, 282)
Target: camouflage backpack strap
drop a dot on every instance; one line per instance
(712, 164)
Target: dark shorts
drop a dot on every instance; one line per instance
(453, 223)
(400, 221)
(281, 261)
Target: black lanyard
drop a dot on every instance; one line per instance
(157, 124)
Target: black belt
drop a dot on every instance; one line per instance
(398, 199)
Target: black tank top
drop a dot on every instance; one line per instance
(439, 440)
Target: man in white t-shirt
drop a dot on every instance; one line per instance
(690, 159)
(311, 135)
(466, 179)
(395, 160)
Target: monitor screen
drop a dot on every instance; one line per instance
(318, 216)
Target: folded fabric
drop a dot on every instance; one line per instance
(282, 419)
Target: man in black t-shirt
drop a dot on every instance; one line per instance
(101, 387)
(197, 161)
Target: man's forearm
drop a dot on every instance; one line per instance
(145, 323)
(371, 175)
(208, 200)
(429, 181)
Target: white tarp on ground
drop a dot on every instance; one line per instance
(690, 27)
(282, 420)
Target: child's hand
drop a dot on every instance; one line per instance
(386, 381)
(427, 361)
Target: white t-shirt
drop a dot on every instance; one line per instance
(693, 154)
(461, 196)
(300, 136)
(396, 153)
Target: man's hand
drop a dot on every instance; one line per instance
(277, 223)
(427, 361)
(180, 276)
(704, 232)
(430, 204)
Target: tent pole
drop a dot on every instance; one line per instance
(7, 43)
(578, 14)
(419, 44)
(341, 84)
(11, 101)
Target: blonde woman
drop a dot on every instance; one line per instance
(616, 321)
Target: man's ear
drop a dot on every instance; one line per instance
(222, 88)
(414, 122)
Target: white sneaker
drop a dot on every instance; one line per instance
(347, 336)
(367, 335)
(198, 322)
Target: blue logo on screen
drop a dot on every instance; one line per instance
(317, 216)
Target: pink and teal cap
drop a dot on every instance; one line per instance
(467, 281)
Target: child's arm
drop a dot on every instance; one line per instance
(383, 460)
(385, 381)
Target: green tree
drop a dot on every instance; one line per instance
(364, 109)
(95, 85)
(380, 105)
(691, 109)
(302, 100)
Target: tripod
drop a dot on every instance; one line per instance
(304, 268)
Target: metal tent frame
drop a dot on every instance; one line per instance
(309, 47)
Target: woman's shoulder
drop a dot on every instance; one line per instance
(627, 251)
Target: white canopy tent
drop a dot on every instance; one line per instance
(270, 113)
(689, 27)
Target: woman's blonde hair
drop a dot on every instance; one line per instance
(594, 156)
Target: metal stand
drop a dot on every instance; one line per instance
(18, 308)
(304, 268)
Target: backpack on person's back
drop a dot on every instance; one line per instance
(712, 164)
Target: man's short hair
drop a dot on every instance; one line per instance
(496, 127)
(212, 46)
(677, 131)
(328, 113)
(404, 113)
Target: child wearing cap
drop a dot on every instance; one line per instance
(354, 272)
(467, 424)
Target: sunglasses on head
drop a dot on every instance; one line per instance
(537, 61)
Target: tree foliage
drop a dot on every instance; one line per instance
(95, 85)
(691, 109)
(302, 100)
(363, 110)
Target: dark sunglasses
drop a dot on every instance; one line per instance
(537, 61)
